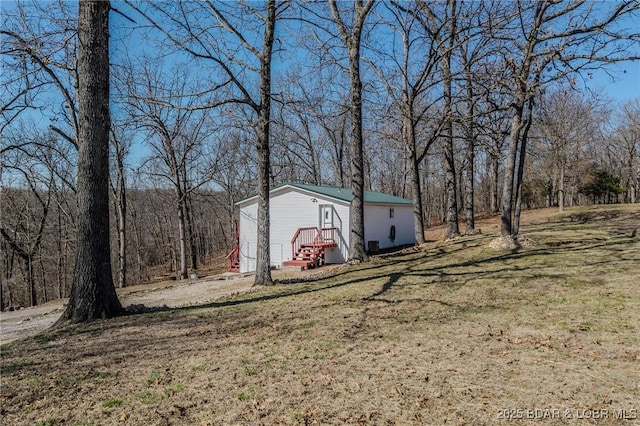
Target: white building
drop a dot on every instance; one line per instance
(318, 217)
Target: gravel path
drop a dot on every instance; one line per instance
(31, 321)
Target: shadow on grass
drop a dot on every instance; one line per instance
(440, 265)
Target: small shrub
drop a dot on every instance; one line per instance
(169, 391)
(113, 402)
(31, 381)
(246, 395)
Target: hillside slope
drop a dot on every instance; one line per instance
(448, 332)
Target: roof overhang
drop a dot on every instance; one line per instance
(282, 188)
(312, 193)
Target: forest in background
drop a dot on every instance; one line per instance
(440, 83)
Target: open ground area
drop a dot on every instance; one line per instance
(450, 332)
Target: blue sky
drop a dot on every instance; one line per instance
(625, 84)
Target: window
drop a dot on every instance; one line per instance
(391, 213)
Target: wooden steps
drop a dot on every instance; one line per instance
(234, 255)
(308, 247)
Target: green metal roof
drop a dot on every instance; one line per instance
(343, 194)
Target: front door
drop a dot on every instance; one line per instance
(326, 216)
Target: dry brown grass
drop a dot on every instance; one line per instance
(451, 333)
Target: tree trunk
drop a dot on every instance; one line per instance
(138, 241)
(182, 238)
(121, 200)
(495, 176)
(351, 37)
(470, 225)
(416, 194)
(263, 256)
(561, 188)
(31, 283)
(450, 171)
(193, 249)
(451, 217)
(520, 174)
(93, 294)
(43, 281)
(59, 256)
(510, 169)
(469, 158)
(451, 186)
(122, 244)
(356, 238)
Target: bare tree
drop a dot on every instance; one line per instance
(351, 36)
(39, 43)
(175, 130)
(300, 142)
(407, 75)
(120, 150)
(566, 121)
(542, 53)
(474, 50)
(445, 19)
(627, 135)
(25, 211)
(93, 294)
(221, 36)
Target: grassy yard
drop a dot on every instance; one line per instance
(447, 333)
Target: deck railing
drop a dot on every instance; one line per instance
(326, 235)
(234, 259)
(234, 255)
(303, 236)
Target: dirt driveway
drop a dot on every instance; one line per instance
(31, 321)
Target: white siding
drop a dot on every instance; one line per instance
(248, 236)
(290, 209)
(340, 221)
(377, 224)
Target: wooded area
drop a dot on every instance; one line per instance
(464, 107)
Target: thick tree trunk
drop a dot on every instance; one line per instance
(351, 37)
(409, 136)
(263, 256)
(356, 238)
(509, 172)
(451, 192)
(416, 194)
(515, 228)
(93, 294)
(520, 174)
